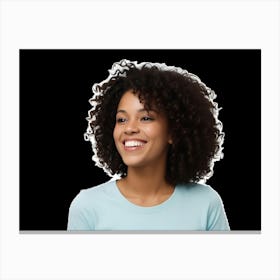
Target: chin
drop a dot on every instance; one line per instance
(135, 164)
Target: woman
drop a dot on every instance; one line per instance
(156, 127)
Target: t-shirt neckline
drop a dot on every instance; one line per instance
(134, 206)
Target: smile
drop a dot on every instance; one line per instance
(133, 144)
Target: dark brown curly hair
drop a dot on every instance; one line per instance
(192, 116)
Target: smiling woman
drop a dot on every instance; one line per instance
(141, 137)
(156, 127)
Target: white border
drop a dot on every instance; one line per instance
(139, 24)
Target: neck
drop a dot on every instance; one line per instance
(145, 186)
(146, 181)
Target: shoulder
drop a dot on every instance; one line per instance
(201, 192)
(84, 209)
(96, 193)
(208, 203)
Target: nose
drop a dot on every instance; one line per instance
(131, 127)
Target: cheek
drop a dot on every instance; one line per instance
(152, 131)
(116, 133)
(157, 132)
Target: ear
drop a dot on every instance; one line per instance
(169, 137)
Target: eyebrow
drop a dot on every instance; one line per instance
(139, 111)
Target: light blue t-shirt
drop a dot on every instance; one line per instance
(190, 207)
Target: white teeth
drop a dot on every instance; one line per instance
(133, 143)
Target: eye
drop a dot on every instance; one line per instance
(120, 120)
(147, 118)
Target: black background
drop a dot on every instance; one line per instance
(55, 161)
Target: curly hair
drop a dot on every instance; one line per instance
(188, 104)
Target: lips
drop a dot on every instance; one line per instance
(133, 144)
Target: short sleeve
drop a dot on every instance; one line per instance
(216, 218)
(79, 217)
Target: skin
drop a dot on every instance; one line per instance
(146, 156)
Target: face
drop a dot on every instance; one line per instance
(141, 137)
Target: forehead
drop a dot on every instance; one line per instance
(129, 99)
(131, 104)
(134, 100)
